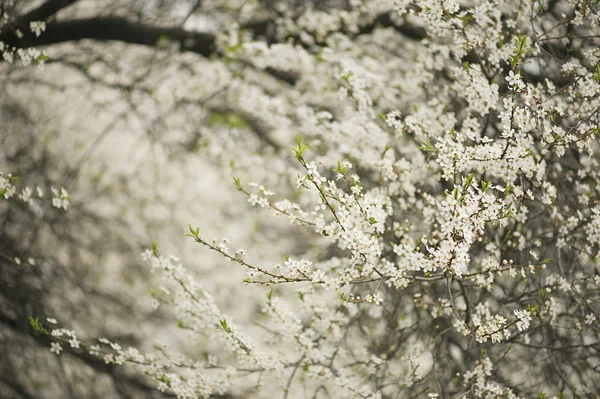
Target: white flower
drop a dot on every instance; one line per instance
(524, 317)
(61, 198)
(311, 169)
(116, 346)
(375, 298)
(74, 342)
(7, 189)
(95, 350)
(239, 254)
(55, 347)
(37, 27)
(590, 318)
(514, 80)
(25, 195)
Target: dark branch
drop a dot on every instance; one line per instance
(119, 29)
(385, 21)
(45, 11)
(42, 13)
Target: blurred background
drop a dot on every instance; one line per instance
(146, 139)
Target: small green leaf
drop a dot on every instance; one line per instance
(532, 309)
(427, 147)
(469, 180)
(237, 181)
(485, 185)
(195, 233)
(42, 57)
(387, 148)
(231, 120)
(482, 354)
(164, 379)
(37, 325)
(302, 146)
(341, 168)
(224, 326)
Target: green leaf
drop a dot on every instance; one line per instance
(532, 309)
(299, 150)
(469, 180)
(387, 148)
(596, 75)
(164, 38)
(164, 379)
(485, 185)
(37, 325)
(224, 326)
(231, 120)
(341, 168)
(237, 181)
(427, 147)
(466, 19)
(42, 57)
(195, 233)
(482, 354)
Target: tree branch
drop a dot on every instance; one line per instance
(46, 10)
(42, 13)
(118, 29)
